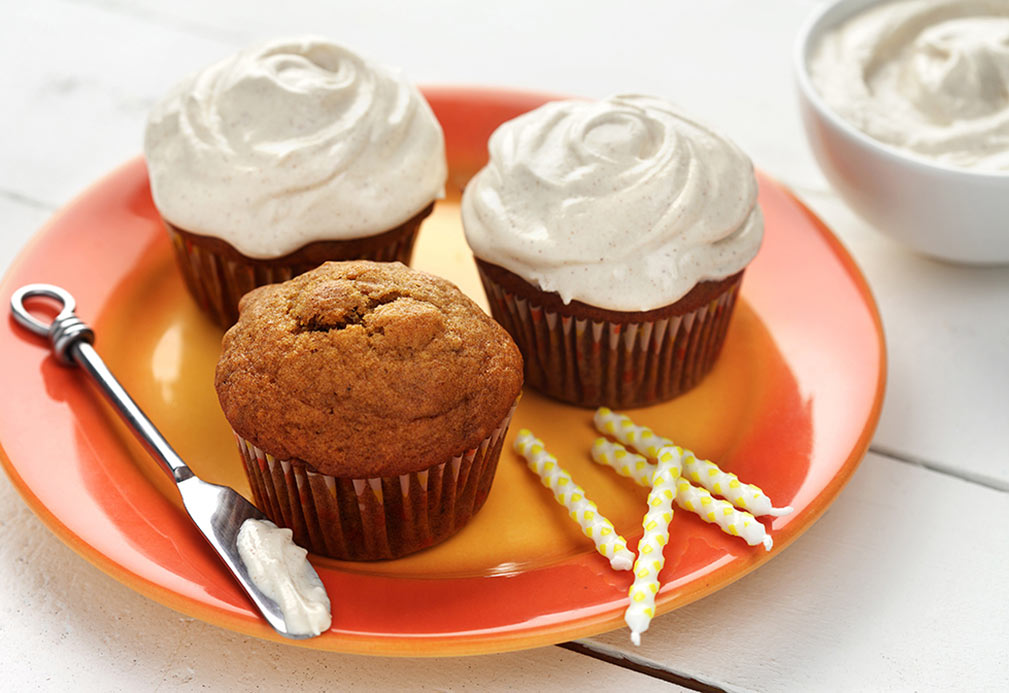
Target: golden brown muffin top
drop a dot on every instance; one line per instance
(365, 369)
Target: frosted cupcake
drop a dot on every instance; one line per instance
(283, 156)
(611, 239)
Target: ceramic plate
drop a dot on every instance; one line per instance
(790, 406)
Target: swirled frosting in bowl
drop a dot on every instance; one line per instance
(291, 142)
(930, 77)
(624, 204)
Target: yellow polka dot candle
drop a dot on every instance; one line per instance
(623, 461)
(728, 486)
(699, 501)
(738, 523)
(572, 496)
(704, 472)
(653, 542)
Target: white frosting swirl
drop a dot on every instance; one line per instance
(927, 76)
(624, 204)
(292, 142)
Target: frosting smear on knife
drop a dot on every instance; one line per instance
(280, 568)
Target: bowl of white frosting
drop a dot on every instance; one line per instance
(906, 108)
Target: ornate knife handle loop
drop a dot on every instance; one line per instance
(64, 331)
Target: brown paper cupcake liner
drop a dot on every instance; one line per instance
(373, 518)
(217, 275)
(595, 362)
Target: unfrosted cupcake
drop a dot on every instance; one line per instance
(611, 239)
(270, 162)
(370, 402)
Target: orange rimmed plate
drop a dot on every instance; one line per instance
(790, 406)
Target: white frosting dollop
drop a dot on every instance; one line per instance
(624, 204)
(291, 142)
(280, 568)
(927, 76)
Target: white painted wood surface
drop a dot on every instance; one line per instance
(901, 586)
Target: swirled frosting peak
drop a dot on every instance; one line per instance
(291, 142)
(624, 204)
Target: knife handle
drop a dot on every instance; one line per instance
(71, 340)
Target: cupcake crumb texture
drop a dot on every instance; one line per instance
(366, 369)
(399, 321)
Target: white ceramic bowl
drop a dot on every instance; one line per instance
(944, 212)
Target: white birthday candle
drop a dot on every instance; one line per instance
(650, 559)
(572, 496)
(703, 472)
(624, 462)
(738, 523)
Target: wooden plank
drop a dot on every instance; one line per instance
(76, 112)
(902, 585)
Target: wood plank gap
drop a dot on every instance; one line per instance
(639, 664)
(979, 479)
(27, 201)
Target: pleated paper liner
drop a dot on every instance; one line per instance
(592, 357)
(373, 518)
(217, 275)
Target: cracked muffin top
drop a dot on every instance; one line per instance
(364, 369)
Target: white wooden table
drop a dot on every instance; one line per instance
(902, 585)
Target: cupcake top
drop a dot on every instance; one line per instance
(290, 142)
(624, 204)
(364, 369)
